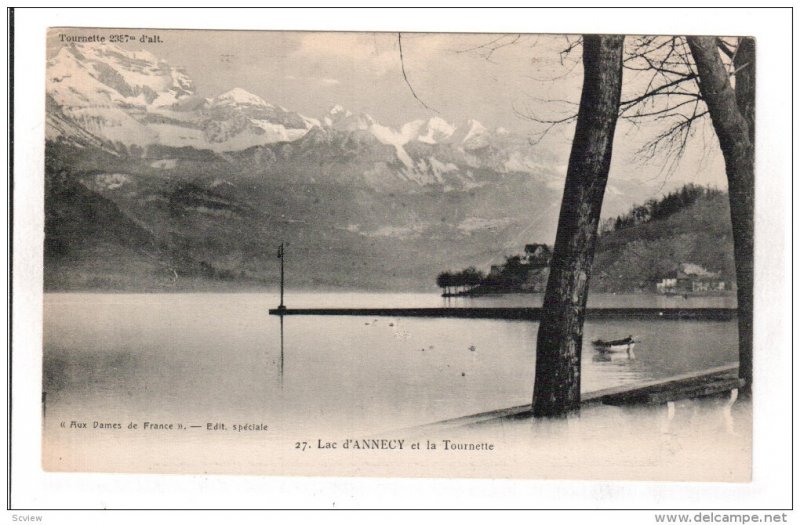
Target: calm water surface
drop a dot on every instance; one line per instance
(412, 300)
(200, 358)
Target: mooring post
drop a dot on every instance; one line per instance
(281, 257)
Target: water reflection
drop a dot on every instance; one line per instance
(608, 357)
(280, 364)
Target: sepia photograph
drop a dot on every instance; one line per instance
(399, 254)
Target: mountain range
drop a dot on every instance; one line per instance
(150, 186)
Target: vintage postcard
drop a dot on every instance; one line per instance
(446, 255)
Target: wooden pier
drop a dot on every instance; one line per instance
(519, 313)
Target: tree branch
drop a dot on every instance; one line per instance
(651, 92)
(725, 48)
(405, 76)
(493, 46)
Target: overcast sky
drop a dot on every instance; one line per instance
(489, 77)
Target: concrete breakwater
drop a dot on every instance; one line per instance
(519, 313)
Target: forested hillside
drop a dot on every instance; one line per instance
(635, 250)
(652, 241)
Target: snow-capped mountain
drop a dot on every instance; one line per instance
(238, 120)
(81, 76)
(341, 119)
(427, 150)
(471, 135)
(116, 97)
(133, 98)
(100, 89)
(152, 183)
(434, 131)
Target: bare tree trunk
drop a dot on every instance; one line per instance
(733, 115)
(558, 345)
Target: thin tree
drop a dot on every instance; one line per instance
(560, 337)
(688, 80)
(732, 112)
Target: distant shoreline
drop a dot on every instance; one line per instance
(497, 292)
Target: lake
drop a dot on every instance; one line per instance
(219, 355)
(201, 358)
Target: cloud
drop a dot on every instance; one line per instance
(324, 81)
(373, 53)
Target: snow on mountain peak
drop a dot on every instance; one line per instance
(82, 75)
(338, 110)
(344, 120)
(239, 97)
(471, 135)
(436, 130)
(131, 97)
(474, 128)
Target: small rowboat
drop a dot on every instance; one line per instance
(618, 345)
